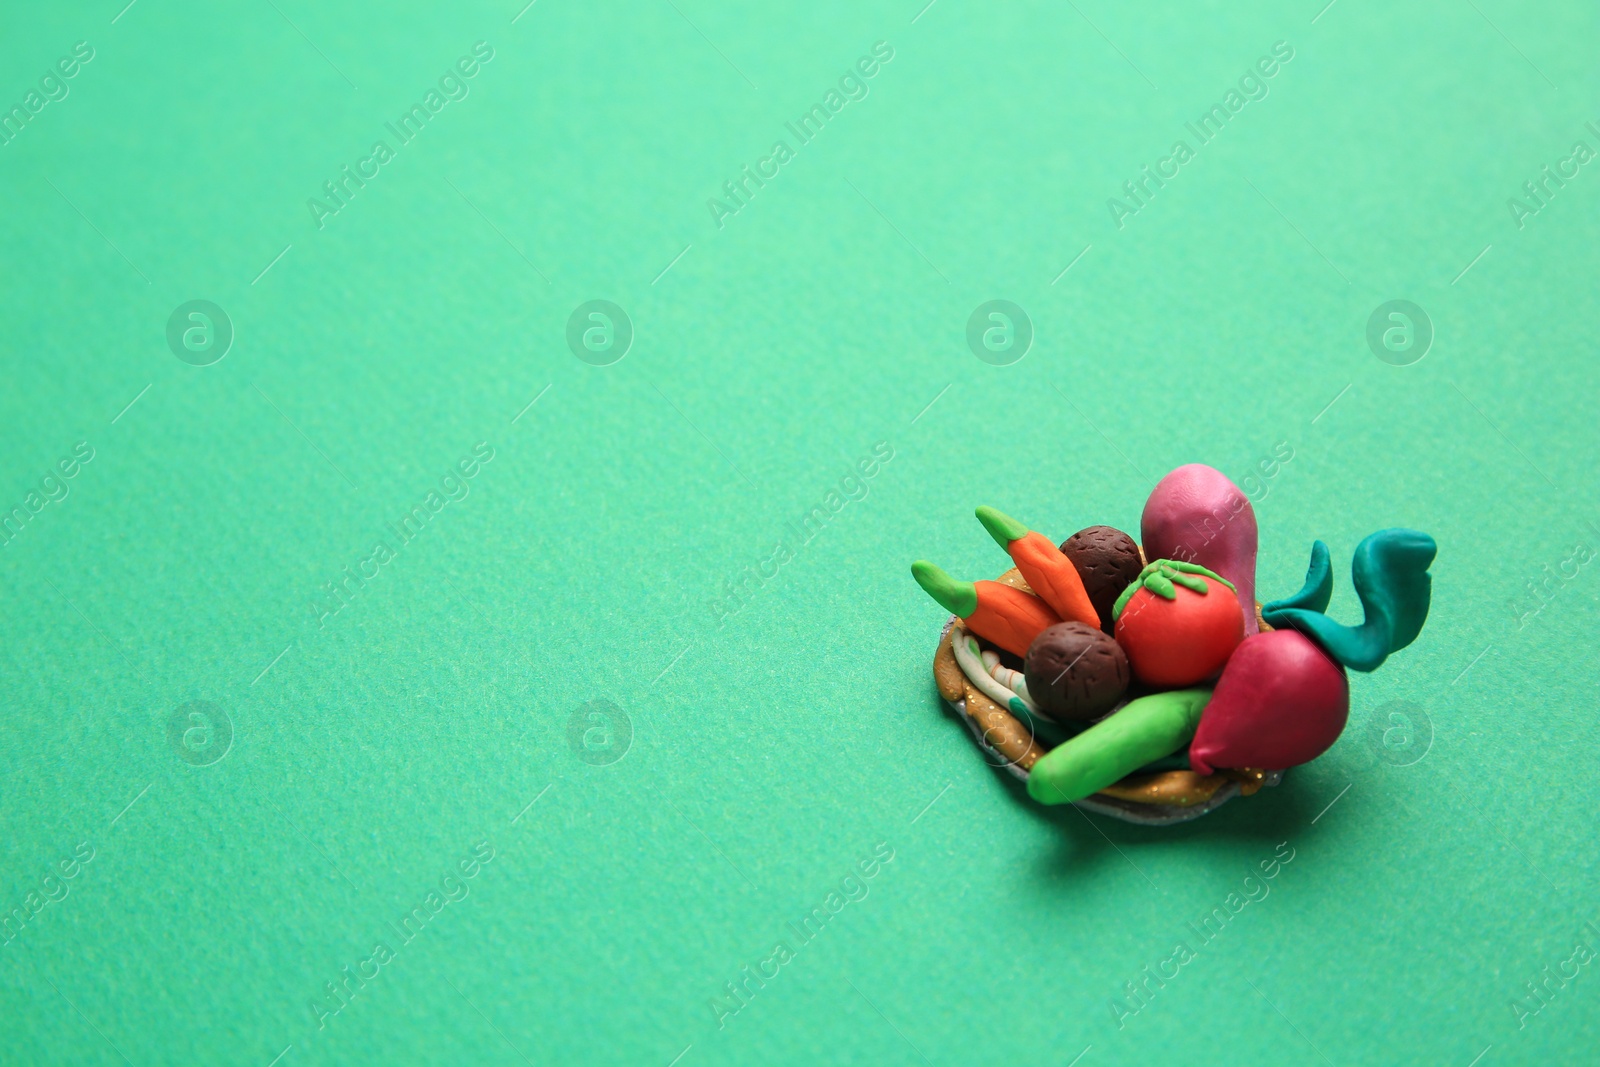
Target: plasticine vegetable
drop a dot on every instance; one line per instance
(1178, 623)
(1280, 702)
(1075, 672)
(1107, 560)
(998, 613)
(1047, 571)
(1144, 730)
(1390, 574)
(1197, 515)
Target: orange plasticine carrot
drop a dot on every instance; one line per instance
(1009, 617)
(1042, 564)
(997, 613)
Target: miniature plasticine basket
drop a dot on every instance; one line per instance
(1010, 734)
(1153, 686)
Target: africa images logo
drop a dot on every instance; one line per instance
(53, 88)
(453, 85)
(453, 487)
(1252, 86)
(852, 86)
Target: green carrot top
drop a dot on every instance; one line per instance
(1002, 527)
(958, 598)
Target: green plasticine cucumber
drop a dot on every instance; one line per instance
(1145, 730)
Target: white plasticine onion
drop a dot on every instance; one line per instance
(1012, 680)
(974, 668)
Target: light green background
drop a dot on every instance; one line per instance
(772, 751)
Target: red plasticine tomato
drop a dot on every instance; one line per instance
(1178, 623)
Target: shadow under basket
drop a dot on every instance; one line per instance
(1008, 739)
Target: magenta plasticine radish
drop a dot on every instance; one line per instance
(1197, 515)
(1280, 702)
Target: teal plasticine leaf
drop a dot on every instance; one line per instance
(1315, 594)
(1390, 573)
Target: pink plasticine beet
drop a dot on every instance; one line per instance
(1280, 702)
(1196, 514)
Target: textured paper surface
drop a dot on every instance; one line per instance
(772, 742)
